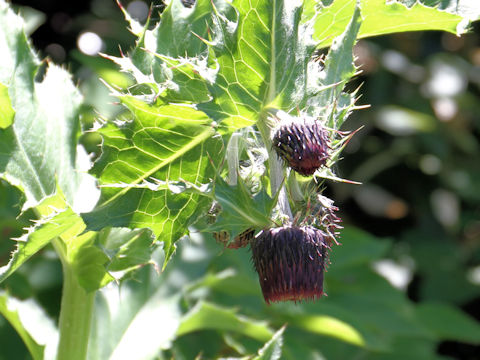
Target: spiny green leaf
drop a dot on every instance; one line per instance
(381, 17)
(272, 350)
(181, 28)
(227, 63)
(39, 148)
(469, 9)
(239, 210)
(177, 37)
(339, 68)
(88, 262)
(249, 55)
(126, 249)
(262, 52)
(170, 143)
(121, 250)
(38, 236)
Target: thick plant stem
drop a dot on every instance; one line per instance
(75, 313)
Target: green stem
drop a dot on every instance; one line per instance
(295, 191)
(232, 158)
(277, 171)
(75, 313)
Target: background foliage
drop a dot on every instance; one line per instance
(404, 283)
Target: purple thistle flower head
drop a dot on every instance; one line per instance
(290, 262)
(303, 143)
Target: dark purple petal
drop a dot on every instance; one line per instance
(290, 262)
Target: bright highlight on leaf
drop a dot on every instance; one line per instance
(6, 111)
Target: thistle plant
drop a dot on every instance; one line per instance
(231, 124)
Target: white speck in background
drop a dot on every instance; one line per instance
(90, 43)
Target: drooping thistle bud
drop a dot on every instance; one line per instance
(290, 262)
(302, 142)
(239, 241)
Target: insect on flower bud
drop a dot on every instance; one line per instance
(302, 143)
(290, 262)
(239, 241)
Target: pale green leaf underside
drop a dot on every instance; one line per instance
(161, 316)
(135, 322)
(39, 148)
(11, 314)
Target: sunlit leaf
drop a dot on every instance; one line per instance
(381, 17)
(39, 236)
(330, 326)
(168, 143)
(338, 69)
(39, 149)
(209, 316)
(6, 111)
(32, 324)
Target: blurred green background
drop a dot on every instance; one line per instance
(410, 259)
